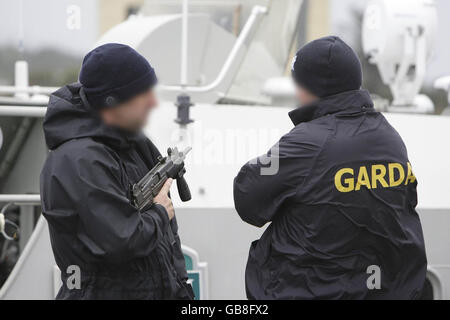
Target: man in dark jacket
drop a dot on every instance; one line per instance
(93, 129)
(342, 205)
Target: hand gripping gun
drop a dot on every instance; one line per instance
(171, 166)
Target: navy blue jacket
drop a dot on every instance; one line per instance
(122, 253)
(341, 205)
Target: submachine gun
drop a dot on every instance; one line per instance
(172, 167)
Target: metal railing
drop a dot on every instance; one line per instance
(243, 38)
(22, 111)
(29, 199)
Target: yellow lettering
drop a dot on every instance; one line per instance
(378, 174)
(350, 183)
(401, 171)
(363, 179)
(411, 177)
(395, 173)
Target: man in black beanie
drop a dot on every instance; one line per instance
(341, 207)
(105, 247)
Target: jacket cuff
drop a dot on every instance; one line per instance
(162, 216)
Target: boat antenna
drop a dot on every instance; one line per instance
(21, 47)
(183, 103)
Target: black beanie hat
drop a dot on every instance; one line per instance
(326, 67)
(113, 73)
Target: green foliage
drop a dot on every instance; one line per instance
(48, 67)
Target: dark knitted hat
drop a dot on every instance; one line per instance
(113, 73)
(326, 67)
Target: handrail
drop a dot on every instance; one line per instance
(241, 40)
(30, 90)
(9, 101)
(31, 199)
(22, 111)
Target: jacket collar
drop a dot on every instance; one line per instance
(346, 102)
(69, 116)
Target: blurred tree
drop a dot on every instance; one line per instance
(47, 67)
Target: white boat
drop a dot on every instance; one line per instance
(233, 123)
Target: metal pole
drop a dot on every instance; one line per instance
(240, 42)
(21, 78)
(184, 43)
(21, 30)
(26, 220)
(22, 111)
(20, 198)
(11, 101)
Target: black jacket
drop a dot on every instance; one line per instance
(343, 201)
(121, 253)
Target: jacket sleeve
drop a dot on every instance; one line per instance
(259, 192)
(109, 226)
(185, 291)
(178, 257)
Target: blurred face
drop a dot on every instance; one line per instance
(133, 114)
(304, 97)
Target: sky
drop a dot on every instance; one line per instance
(72, 26)
(68, 25)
